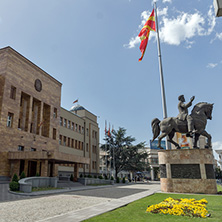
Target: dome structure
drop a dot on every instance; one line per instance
(76, 107)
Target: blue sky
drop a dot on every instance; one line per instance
(91, 46)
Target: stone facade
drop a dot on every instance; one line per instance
(79, 135)
(30, 120)
(187, 171)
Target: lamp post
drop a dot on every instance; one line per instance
(218, 8)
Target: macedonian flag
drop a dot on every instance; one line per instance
(144, 33)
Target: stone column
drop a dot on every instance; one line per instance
(15, 164)
(76, 172)
(152, 174)
(26, 167)
(38, 167)
(30, 114)
(44, 170)
(55, 170)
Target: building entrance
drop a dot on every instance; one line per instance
(32, 166)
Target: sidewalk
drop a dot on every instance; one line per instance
(76, 203)
(101, 208)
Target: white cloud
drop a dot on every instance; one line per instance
(217, 145)
(211, 65)
(167, 1)
(182, 28)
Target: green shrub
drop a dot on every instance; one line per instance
(124, 180)
(106, 177)
(100, 177)
(14, 186)
(85, 176)
(37, 175)
(112, 178)
(89, 176)
(71, 177)
(95, 176)
(15, 178)
(22, 175)
(80, 176)
(117, 180)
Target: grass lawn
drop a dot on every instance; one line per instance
(34, 189)
(135, 211)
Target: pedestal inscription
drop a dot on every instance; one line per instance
(209, 171)
(163, 173)
(185, 171)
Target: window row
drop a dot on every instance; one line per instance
(94, 164)
(94, 149)
(21, 148)
(70, 125)
(94, 134)
(45, 128)
(69, 142)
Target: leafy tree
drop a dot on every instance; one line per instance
(123, 154)
(218, 173)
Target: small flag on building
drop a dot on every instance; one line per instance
(76, 101)
(105, 128)
(109, 133)
(144, 33)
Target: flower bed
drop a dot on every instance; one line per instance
(180, 207)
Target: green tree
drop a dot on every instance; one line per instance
(123, 154)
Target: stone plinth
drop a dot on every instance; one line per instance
(187, 171)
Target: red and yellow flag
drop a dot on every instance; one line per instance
(144, 33)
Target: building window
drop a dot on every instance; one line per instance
(87, 147)
(54, 134)
(65, 122)
(60, 139)
(13, 92)
(64, 141)
(20, 148)
(72, 143)
(72, 126)
(61, 120)
(87, 132)
(68, 124)
(68, 142)
(79, 129)
(33, 149)
(55, 113)
(76, 144)
(82, 130)
(76, 127)
(10, 119)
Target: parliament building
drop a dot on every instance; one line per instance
(37, 136)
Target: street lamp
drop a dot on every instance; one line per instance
(218, 7)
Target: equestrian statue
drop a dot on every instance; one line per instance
(193, 125)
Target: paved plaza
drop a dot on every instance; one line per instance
(80, 203)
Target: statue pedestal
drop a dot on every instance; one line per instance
(187, 171)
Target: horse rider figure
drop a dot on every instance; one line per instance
(183, 113)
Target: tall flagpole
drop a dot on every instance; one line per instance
(161, 71)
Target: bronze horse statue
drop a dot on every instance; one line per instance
(200, 113)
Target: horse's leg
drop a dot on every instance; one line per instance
(195, 139)
(162, 135)
(171, 135)
(204, 133)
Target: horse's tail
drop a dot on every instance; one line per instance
(155, 128)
